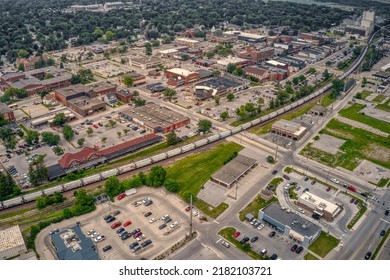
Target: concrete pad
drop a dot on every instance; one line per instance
(328, 144)
(371, 111)
(371, 172)
(212, 194)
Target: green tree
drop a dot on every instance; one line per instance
(32, 137)
(312, 70)
(338, 85)
(58, 150)
(224, 115)
(106, 55)
(112, 187)
(148, 49)
(41, 202)
(83, 203)
(139, 102)
(38, 172)
(270, 159)
(295, 80)
(59, 119)
(68, 132)
(217, 100)
(172, 138)
(156, 44)
(89, 131)
(49, 76)
(126, 131)
(204, 125)
(230, 96)
(216, 73)
(260, 100)
(23, 53)
(187, 196)
(246, 247)
(185, 57)
(50, 138)
(364, 82)
(109, 35)
(231, 67)
(157, 176)
(325, 74)
(168, 92)
(119, 134)
(81, 142)
(128, 81)
(89, 55)
(171, 185)
(7, 186)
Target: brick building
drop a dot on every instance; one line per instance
(6, 112)
(138, 79)
(145, 62)
(179, 76)
(257, 72)
(29, 63)
(257, 54)
(124, 96)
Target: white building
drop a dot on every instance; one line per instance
(11, 243)
(323, 208)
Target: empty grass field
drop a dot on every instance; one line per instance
(324, 244)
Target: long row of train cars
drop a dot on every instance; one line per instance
(144, 162)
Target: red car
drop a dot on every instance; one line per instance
(95, 126)
(137, 234)
(188, 209)
(122, 195)
(127, 223)
(236, 234)
(328, 189)
(115, 225)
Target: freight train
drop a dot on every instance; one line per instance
(154, 159)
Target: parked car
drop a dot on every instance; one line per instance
(167, 220)
(286, 177)
(120, 230)
(236, 234)
(174, 224)
(99, 239)
(352, 200)
(164, 217)
(125, 236)
(90, 232)
(111, 219)
(188, 208)
(148, 203)
(273, 257)
(387, 213)
(146, 243)
(299, 249)
(121, 196)
(152, 220)
(272, 234)
(117, 212)
(162, 226)
(107, 217)
(135, 231)
(244, 240)
(136, 249)
(133, 245)
(263, 252)
(368, 256)
(383, 232)
(254, 239)
(137, 234)
(127, 223)
(147, 214)
(115, 225)
(105, 249)
(313, 182)
(294, 248)
(226, 244)
(141, 237)
(56, 230)
(328, 189)
(274, 172)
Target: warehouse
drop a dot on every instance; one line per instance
(154, 118)
(321, 207)
(288, 129)
(179, 76)
(290, 224)
(72, 244)
(233, 171)
(11, 243)
(218, 86)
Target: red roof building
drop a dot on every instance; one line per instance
(86, 154)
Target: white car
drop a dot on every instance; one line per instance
(174, 224)
(137, 203)
(152, 220)
(90, 232)
(334, 180)
(164, 217)
(99, 238)
(195, 213)
(95, 234)
(301, 210)
(260, 227)
(141, 237)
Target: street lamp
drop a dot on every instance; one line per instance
(327, 175)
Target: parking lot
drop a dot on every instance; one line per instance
(162, 239)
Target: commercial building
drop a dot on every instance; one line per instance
(218, 86)
(36, 81)
(155, 118)
(248, 37)
(188, 42)
(6, 112)
(138, 79)
(29, 63)
(239, 62)
(179, 76)
(257, 72)
(102, 88)
(288, 129)
(145, 62)
(231, 172)
(219, 37)
(72, 244)
(124, 96)
(320, 207)
(290, 224)
(49, 118)
(318, 110)
(383, 87)
(365, 27)
(11, 243)
(257, 54)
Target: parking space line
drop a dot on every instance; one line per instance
(218, 240)
(385, 221)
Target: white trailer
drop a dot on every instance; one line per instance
(144, 162)
(126, 168)
(109, 173)
(188, 147)
(32, 196)
(225, 133)
(13, 202)
(73, 185)
(174, 152)
(201, 143)
(213, 138)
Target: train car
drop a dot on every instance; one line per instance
(144, 162)
(32, 196)
(272, 115)
(306, 98)
(91, 179)
(265, 118)
(174, 152)
(13, 202)
(126, 168)
(280, 111)
(224, 134)
(246, 125)
(213, 138)
(51, 191)
(109, 173)
(159, 157)
(201, 143)
(188, 147)
(73, 185)
(288, 108)
(255, 122)
(236, 129)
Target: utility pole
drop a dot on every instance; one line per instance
(191, 222)
(236, 190)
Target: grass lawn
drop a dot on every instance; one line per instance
(360, 144)
(378, 248)
(384, 106)
(255, 206)
(358, 215)
(324, 244)
(363, 95)
(292, 194)
(310, 257)
(11, 214)
(379, 98)
(288, 169)
(353, 113)
(210, 210)
(383, 182)
(227, 234)
(193, 171)
(326, 101)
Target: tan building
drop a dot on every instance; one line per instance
(11, 243)
(179, 76)
(319, 206)
(188, 42)
(288, 129)
(145, 62)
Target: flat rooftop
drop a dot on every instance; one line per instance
(102, 85)
(294, 221)
(84, 102)
(234, 169)
(319, 202)
(73, 89)
(232, 59)
(218, 83)
(286, 125)
(144, 60)
(244, 34)
(181, 71)
(187, 40)
(11, 238)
